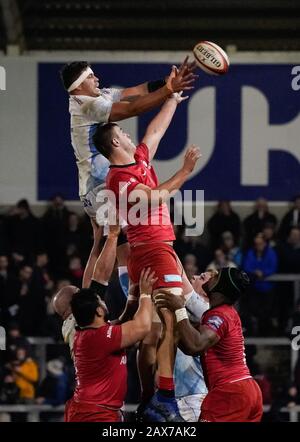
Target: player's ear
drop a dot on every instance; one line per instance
(115, 142)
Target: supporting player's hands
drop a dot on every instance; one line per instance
(165, 299)
(183, 78)
(147, 279)
(190, 159)
(114, 224)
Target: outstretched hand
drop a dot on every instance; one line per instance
(190, 159)
(183, 78)
(165, 299)
(147, 279)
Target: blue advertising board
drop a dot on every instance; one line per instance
(247, 123)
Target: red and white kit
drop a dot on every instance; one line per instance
(233, 395)
(101, 376)
(154, 229)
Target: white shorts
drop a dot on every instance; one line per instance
(93, 208)
(190, 407)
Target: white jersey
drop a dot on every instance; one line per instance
(68, 332)
(86, 113)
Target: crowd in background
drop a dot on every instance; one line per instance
(39, 255)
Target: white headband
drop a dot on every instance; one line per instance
(80, 79)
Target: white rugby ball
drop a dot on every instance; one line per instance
(211, 58)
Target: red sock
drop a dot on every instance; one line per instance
(165, 383)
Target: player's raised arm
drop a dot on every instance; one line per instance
(162, 193)
(160, 123)
(137, 329)
(182, 81)
(151, 86)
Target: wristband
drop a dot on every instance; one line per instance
(145, 295)
(181, 314)
(154, 85)
(99, 288)
(132, 298)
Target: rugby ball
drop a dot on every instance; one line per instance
(211, 58)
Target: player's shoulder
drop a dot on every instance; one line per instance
(224, 312)
(142, 152)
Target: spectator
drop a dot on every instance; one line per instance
(290, 219)
(24, 231)
(25, 373)
(220, 261)
(256, 222)
(9, 392)
(7, 282)
(15, 340)
(74, 239)
(231, 251)
(269, 233)
(192, 244)
(54, 388)
(31, 306)
(289, 252)
(225, 219)
(259, 262)
(289, 262)
(291, 397)
(55, 222)
(4, 242)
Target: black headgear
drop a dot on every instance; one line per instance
(231, 283)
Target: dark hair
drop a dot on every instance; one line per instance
(84, 305)
(102, 138)
(71, 71)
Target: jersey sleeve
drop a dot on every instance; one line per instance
(116, 94)
(142, 153)
(98, 109)
(216, 323)
(112, 339)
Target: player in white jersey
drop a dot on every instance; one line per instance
(89, 106)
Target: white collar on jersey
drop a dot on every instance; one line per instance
(80, 79)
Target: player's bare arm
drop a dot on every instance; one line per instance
(135, 330)
(192, 341)
(182, 81)
(132, 93)
(107, 259)
(94, 254)
(160, 123)
(162, 193)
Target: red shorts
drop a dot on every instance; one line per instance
(239, 401)
(162, 259)
(85, 412)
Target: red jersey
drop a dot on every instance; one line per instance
(100, 366)
(153, 225)
(225, 361)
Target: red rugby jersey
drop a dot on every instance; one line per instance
(225, 361)
(155, 224)
(100, 366)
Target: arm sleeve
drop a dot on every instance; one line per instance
(216, 323)
(116, 94)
